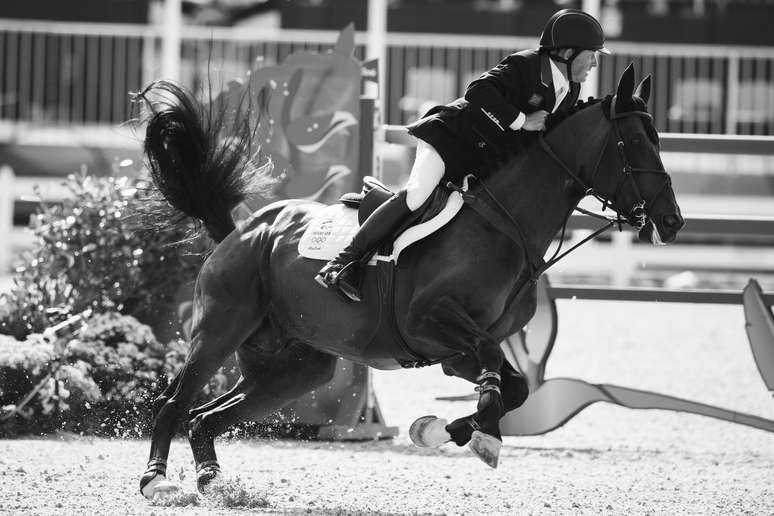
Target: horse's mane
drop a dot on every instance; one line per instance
(634, 103)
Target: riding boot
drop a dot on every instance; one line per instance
(345, 271)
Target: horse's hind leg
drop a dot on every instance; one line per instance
(270, 381)
(227, 310)
(238, 388)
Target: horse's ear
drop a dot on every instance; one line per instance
(345, 45)
(643, 90)
(626, 84)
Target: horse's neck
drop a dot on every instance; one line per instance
(538, 190)
(539, 195)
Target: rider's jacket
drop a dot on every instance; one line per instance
(472, 132)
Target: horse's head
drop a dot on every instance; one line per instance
(623, 167)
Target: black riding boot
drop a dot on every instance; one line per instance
(345, 271)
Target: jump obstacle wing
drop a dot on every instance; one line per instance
(555, 401)
(344, 409)
(759, 324)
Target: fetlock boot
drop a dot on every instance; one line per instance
(346, 270)
(486, 440)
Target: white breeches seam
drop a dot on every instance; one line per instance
(427, 172)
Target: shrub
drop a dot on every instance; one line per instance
(96, 250)
(102, 382)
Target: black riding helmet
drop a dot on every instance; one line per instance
(574, 29)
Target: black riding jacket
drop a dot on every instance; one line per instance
(472, 132)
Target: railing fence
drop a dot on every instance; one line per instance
(66, 74)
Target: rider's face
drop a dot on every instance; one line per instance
(582, 65)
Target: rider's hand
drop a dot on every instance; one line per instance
(535, 121)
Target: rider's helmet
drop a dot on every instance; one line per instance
(571, 28)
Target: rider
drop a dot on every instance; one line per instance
(470, 134)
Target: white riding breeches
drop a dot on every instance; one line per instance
(425, 175)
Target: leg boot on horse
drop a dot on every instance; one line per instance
(480, 430)
(432, 431)
(514, 388)
(345, 271)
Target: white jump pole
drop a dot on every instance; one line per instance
(171, 36)
(6, 217)
(377, 45)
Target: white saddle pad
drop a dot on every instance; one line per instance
(334, 227)
(328, 233)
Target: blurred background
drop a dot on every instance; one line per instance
(66, 70)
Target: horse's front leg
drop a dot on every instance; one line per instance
(448, 320)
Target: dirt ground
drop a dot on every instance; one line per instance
(606, 460)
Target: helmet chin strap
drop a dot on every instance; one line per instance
(568, 61)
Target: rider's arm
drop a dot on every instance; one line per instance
(495, 91)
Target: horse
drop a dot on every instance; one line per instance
(450, 299)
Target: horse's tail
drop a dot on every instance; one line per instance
(201, 167)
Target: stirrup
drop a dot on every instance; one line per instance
(329, 275)
(350, 290)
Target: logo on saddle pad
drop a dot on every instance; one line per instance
(334, 226)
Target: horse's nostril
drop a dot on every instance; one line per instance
(673, 222)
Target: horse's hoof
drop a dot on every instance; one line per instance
(208, 474)
(429, 432)
(486, 447)
(157, 486)
(166, 488)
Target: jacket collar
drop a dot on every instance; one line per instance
(546, 77)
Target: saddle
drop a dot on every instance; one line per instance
(334, 227)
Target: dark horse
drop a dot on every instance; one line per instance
(456, 294)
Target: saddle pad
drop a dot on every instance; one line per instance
(328, 233)
(332, 229)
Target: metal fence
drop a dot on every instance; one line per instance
(64, 74)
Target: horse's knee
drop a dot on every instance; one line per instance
(515, 389)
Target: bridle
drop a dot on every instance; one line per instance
(637, 216)
(499, 216)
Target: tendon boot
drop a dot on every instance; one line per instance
(486, 441)
(514, 393)
(346, 270)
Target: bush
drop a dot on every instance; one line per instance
(96, 250)
(102, 382)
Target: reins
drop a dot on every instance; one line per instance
(588, 189)
(513, 230)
